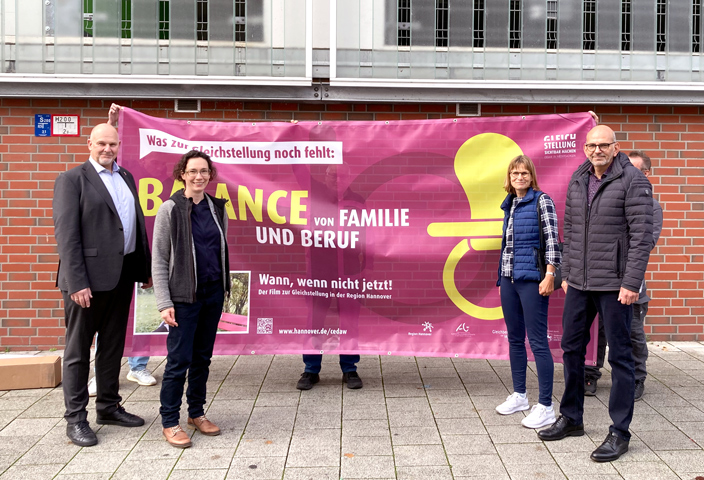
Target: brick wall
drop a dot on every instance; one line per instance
(31, 314)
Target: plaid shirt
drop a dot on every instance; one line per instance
(548, 221)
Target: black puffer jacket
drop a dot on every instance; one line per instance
(608, 244)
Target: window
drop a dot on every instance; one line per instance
(661, 26)
(626, 25)
(126, 19)
(403, 23)
(87, 18)
(202, 19)
(442, 23)
(478, 30)
(240, 21)
(164, 18)
(551, 25)
(426, 23)
(589, 25)
(696, 26)
(514, 21)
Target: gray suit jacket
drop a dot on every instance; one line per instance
(89, 232)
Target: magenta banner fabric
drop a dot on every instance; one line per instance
(356, 237)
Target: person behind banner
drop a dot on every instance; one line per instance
(525, 289)
(608, 238)
(103, 250)
(327, 198)
(191, 278)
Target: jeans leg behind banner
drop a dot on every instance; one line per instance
(313, 363)
(348, 363)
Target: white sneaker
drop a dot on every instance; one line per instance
(514, 403)
(539, 416)
(142, 377)
(92, 388)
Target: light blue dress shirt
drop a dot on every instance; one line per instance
(124, 202)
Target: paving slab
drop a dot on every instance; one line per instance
(419, 455)
(424, 473)
(415, 418)
(376, 467)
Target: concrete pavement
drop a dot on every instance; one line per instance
(415, 418)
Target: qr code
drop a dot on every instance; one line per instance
(265, 325)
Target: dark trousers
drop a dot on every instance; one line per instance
(107, 316)
(580, 309)
(190, 348)
(640, 347)
(348, 363)
(526, 310)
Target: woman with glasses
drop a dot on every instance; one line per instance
(525, 288)
(191, 278)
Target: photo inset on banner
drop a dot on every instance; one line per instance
(235, 312)
(234, 319)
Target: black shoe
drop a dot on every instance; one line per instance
(560, 429)
(307, 381)
(81, 434)
(352, 380)
(121, 418)
(612, 448)
(590, 387)
(640, 389)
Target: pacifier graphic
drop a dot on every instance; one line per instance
(480, 165)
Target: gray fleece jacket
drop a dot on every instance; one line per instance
(173, 252)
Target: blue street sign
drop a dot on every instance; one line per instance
(42, 125)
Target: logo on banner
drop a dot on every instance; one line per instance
(427, 330)
(480, 165)
(560, 144)
(463, 330)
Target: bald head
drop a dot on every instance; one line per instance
(103, 144)
(601, 148)
(601, 131)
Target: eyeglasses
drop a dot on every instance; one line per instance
(205, 173)
(520, 174)
(602, 146)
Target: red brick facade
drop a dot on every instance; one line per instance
(30, 306)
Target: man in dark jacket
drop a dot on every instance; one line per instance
(640, 308)
(608, 237)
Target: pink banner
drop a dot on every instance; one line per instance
(357, 237)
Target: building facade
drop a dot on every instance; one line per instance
(637, 63)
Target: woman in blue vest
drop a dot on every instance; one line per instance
(525, 289)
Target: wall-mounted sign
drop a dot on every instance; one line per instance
(42, 125)
(65, 125)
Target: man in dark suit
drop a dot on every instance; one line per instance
(103, 250)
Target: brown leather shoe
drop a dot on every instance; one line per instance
(177, 437)
(204, 426)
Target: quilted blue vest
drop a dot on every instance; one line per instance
(526, 236)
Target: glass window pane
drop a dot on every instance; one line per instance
(182, 42)
(145, 35)
(68, 36)
(221, 51)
